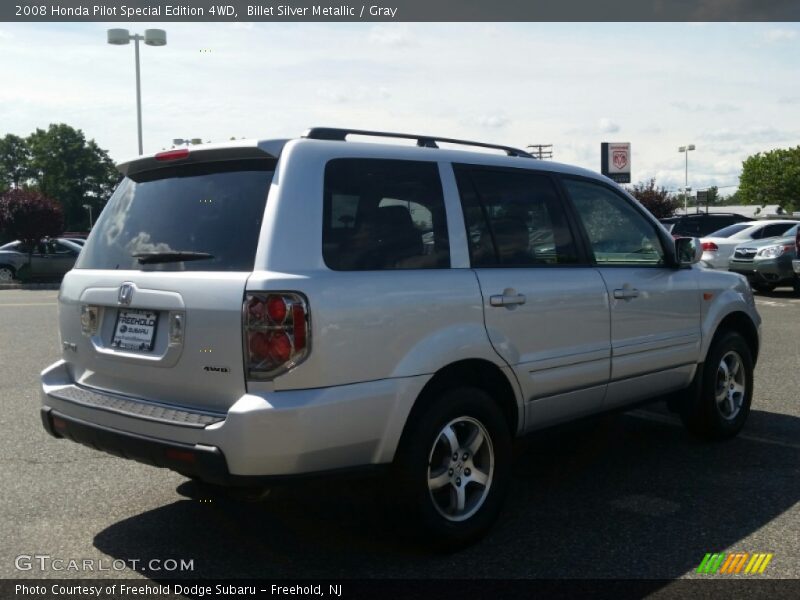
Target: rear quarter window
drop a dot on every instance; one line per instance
(211, 208)
(383, 214)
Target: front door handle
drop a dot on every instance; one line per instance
(507, 299)
(626, 293)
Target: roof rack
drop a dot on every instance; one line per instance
(424, 141)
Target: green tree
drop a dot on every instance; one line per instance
(15, 159)
(65, 166)
(772, 178)
(655, 199)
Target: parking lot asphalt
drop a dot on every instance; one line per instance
(624, 496)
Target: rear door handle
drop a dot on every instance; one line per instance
(626, 293)
(507, 299)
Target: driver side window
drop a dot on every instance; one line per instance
(618, 233)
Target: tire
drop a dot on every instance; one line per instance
(796, 285)
(450, 491)
(6, 274)
(723, 391)
(763, 288)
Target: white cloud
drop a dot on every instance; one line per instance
(779, 35)
(494, 121)
(607, 126)
(393, 34)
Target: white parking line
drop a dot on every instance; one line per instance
(2, 305)
(649, 416)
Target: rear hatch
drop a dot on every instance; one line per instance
(153, 307)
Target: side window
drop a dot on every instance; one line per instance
(618, 233)
(60, 249)
(383, 214)
(774, 230)
(513, 218)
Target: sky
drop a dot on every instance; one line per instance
(730, 89)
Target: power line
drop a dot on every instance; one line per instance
(541, 151)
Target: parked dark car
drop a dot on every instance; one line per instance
(701, 224)
(50, 259)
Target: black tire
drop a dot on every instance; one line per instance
(796, 285)
(420, 455)
(702, 413)
(763, 288)
(7, 274)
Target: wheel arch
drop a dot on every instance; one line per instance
(8, 266)
(741, 323)
(478, 373)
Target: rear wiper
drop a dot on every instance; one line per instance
(149, 258)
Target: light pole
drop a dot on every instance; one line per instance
(686, 149)
(89, 208)
(151, 37)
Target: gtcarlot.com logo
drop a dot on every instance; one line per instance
(45, 562)
(743, 563)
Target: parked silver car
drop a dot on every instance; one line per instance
(718, 246)
(767, 264)
(50, 259)
(249, 311)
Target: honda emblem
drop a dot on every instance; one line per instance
(125, 294)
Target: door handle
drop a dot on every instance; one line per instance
(626, 293)
(507, 299)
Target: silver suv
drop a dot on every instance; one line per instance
(244, 312)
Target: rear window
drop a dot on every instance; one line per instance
(730, 230)
(203, 217)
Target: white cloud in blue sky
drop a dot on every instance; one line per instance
(731, 89)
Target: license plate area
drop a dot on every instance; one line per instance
(135, 330)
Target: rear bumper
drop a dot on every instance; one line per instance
(262, 437)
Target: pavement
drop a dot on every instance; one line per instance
(624, 496)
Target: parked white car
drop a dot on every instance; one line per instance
(251, 311)
(718, 246)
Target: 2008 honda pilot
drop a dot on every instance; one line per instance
(247, 311)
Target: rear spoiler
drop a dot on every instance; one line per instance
(204, 153)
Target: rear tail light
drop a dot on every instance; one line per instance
(710, 246)
(276, 333)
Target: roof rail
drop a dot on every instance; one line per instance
(424, 141)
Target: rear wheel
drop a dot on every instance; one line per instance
(721, 403)
(796, 285)
(453, 467)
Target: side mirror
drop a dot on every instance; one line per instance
(688, 251)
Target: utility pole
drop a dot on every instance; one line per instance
(541, 151)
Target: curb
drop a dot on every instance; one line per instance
(30, 286)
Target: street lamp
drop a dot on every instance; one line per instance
(89, 208)
(686, 188)
(151, 37)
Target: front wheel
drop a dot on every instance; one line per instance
(453, 467)
(6, 275)
(721, 402)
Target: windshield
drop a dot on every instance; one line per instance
(730, 230)
(203, 217)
